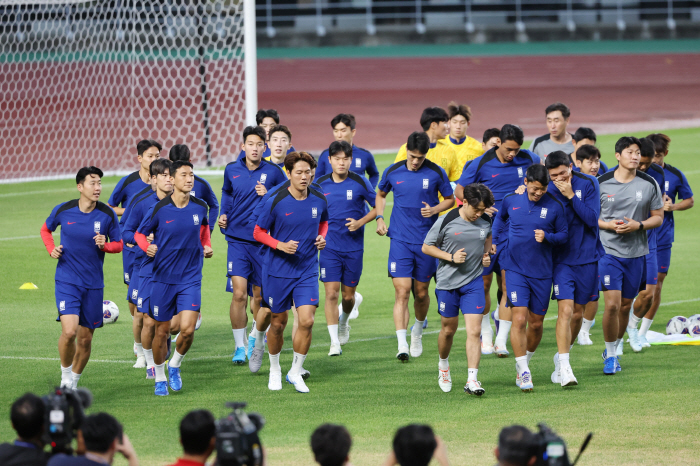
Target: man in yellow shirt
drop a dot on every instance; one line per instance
(466, 148)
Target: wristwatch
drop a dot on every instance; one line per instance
(378, 217)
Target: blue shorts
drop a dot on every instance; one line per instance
(576, 282)
(494, 267)
(128, 258)
(280, 294)
(617, 273)
(651, 269)
(244, 260)
(144, 296)
(469, 299)
(407, 260)
(529, 292)
(168, 300)
(663, 258)
(86, 303)
(344, 267)
(132, 295)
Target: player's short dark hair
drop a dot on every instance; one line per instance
(661, 142)
(476, 193)
(293, 157)
(262, 114)
(432, 115)
(344, 118)
(178, 165)
(197, 429)
(587, 152)
(565, 112)
(557, 159)
(85, 171)
(179, 152)
(27, 416)
(626, 141)
(280, 129)
(419, 142)
(331, 444)
(647, 148)
(491, 133)
(512, 133)
(99, 431)
(515, 445)
(414, 445)
(258, 131)
(584, 133)
(537, 172)
(454, 109)
(145, 144)
(337, 147)
(160, 166)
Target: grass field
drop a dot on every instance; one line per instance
(643, 415)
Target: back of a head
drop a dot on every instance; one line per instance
(647, 148)
(414, 445)
(584, 133)
(99, 431)
(661, 142)
(179, 152)
(331, 445)
(515, 445)
(27, 416)
(197, 429)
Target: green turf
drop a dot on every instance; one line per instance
(643, 415)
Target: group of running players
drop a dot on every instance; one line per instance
(551, 222)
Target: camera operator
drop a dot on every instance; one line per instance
(27, 416)
(198, 438)
(416, 445)
(100, 436)
(515, 447)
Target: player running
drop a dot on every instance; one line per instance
(279, 142)
(293, 224)
(557, 119)
(490, 139)
(630, 204)
(416, 183)
(267, 119)
(462, 241)
(181, 238)
(466, 148)
(89, 229)
(341, 260)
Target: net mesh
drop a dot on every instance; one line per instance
(84, 81)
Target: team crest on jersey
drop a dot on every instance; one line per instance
(98, 226)
(543, 213)
(556, 290)
(482, 234)
(520, 172)
(578, 193)
(349, 193)
(606, 279)
(62, 306)
(140, 303)
(195, 217)
(314, 212)
(263, 178)
(426, 181)
(638, 196)
(358, 163)
(134, 294)
(666, 186)
(393, 266)
(442, 307)
(513, 296)
(323, 272)
(155, 311)
(230, 266)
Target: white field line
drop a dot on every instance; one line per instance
(51, 191)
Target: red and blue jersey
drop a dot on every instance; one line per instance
(675, 186)
(362, 164)
(139, 207)
(411, 189)
(82, 260)
(126, 189)
(346, 199)
(202, 190)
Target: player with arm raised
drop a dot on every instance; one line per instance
(181, 239)
(341, 260)
(462, 241)
(89, 229)
(293, 224)
(490, 139)
(417, 184)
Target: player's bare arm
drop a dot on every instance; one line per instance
(380, 203)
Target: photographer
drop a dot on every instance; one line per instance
(27, 416)
(331, 445)
(101, 437)
(515, 447)
(417, 445)
(198, 438)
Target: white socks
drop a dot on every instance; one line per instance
(521, 365)
(529, 356)
(333, 331)
(148, 353)
(176, 359)
(443, 364)
(259, 336)
(343, 317)
(401, 336)
(564, 361)
(417, 328)
(611, 349)
(160, 373)
(486, 330)
(586, 325)
(503, 333)
(634, 321)
(74, 379)
(275, 363)
(646, 323)
(66, 379)
(139, 350)
(472, 375)
(297, 364)
(239, 337)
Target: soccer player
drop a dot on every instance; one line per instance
(416, 183)
(676, 187)
(246, 181)
(341, 260)
(461, 240)
(575, 274)
(535, 223)
(490, 139)
(181, 238)
(583, 137)
(279, 141)
(293, 224)
(266, 119)
(89, 229)
(502, 169)
(558, 138)
(630, 204)
(363, 163)
(466, 148)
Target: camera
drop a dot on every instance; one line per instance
(237, 441)
(550, 448)
(64, 414)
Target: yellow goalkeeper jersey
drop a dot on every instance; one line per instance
(442, 154)
(466, 150)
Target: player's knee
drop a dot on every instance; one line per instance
(448, 329)
(240, 295)
(402, 294)
(519, 319)
(69, 334)
(306, 321)
(566, 312)
(85, 341)
(535, 325)
(348, 295)
(186, 333)
(333, 294)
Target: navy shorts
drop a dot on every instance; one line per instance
(469, 299)
(663, 258)
(280, 294)
(407, 260)
(494, 267)
(576, 282)
(132, 295)
(244, 260)
(144, 296)
(128, 258)
(344, 267)
(86, 303)
(532, 293)
(651, 269)
(618, 273)
(168, 300)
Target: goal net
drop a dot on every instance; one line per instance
(84, 81)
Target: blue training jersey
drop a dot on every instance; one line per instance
(202, 189)
(126, 189)
(129, 246)
(346, 200)
(176, 232)
(287, 219)
(524, 254)
(82, 260)
(362, 163)
(411, 189)
(675, 186)
(239, 198)
(139, 208)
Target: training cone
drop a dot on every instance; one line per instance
(29, 286)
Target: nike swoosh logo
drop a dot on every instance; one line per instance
(168, 221)
(95, 323)
(458, 233)
(494, 176)
(399, 182)
(353, 281)
(236, 177)
(516, 208)
(610, 195)
(290, 213)
(312, 299)
(195, 304)
(326, 194)
(71, 223)
(479, 307)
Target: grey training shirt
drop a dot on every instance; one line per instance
(634, 200)
(451, 233)
(543, 146)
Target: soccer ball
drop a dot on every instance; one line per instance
(693, 325)
(677, 326)
(110, 312)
